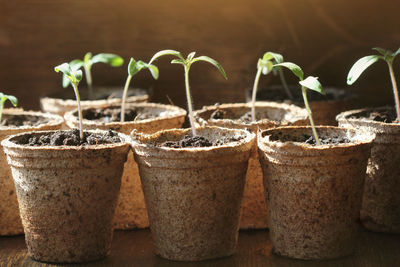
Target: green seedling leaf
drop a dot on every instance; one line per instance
(190, 56)
(265, 65)
(75, 64)
(360, 66)
(212, 62)
(166, 52)
(75, 76)
(177, 61)
(272, 55)
(136, 66)
(292, 67)
(312, 83)
(87, 57)
(3, 99)
(11, 98)
(107, 58)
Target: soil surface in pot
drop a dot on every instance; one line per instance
(279, 94)
(198, 141)
(113, 114)
(220, 114)
(69, 138)
(382, 115)
(309, 139)
(22, 120)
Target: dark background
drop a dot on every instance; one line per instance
(324, 37)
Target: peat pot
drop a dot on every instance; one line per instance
(61, 103)
(381, 200)
(269, 115)
(193, 195)
(67, 196)
(313, 192)
(10, 222)
(324, 107)
(131, 209)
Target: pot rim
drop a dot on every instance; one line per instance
(137, 140)
(303, 115)
(351, 94)
(368, 138)
(7, 143)
(71, 117)
(343, 117)
(54, 119)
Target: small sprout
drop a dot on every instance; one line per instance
(87, 63)
(363, 63)
(133, 68)
(74, 76)
(3, 99)
(265, 66)
(311, 83)
(186, 63)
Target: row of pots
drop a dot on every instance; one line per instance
(178, 244)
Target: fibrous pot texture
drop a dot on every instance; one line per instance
(193, 195)
(325, 108)
(67, 197)
(254, 207)
(10, 221)
(381, 199)
(131, 209)
(313, 192)
(60, 106)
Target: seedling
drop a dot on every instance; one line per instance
(364, 62)
(74, 76)
(265, 66)
(133, 68)
(311, 83)
(186, 63)
(3, 99)
(87, 63)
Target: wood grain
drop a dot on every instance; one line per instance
(325, 37)
(135, 248)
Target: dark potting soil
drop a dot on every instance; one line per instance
(197, 141)
(113, 114)
(309, 139)
(220, 114)
(387, 116)
(22, 120)
(279, 94)
(70, 138)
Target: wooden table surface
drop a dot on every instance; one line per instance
(135, 248)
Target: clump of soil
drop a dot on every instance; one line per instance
(387, 116)
(198, 141)
(70, 138)
(22, 120)
(309, 139)
(113, 114)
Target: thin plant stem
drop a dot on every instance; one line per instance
(395, 91)
(124, 95)
(303, 90)
(253, 97)
(1, 109)
(284, 84)
(189, 100)
(78, 100)
(88, 75)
